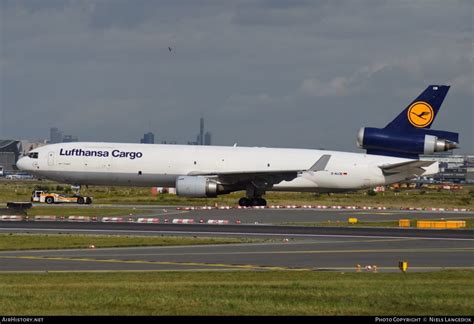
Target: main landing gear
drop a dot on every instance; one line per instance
(254, 193)
(246, 202)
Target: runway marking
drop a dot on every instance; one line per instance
(374, 213)
(327, 269)
(374, 240)
(118, 270)
(120, 248)
(447, 250)
(69, 230)
(433, 250)
(429, 250)
(202, 264)
(197, 246)
(161, 214)
(408, 250)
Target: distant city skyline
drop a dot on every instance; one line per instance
(203, 138)
(57, 136)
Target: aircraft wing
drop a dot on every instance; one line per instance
(263, 178)
(260, 179)
(410, 167)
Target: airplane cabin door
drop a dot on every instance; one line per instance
(50, 158)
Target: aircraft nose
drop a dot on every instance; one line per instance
(22, 163)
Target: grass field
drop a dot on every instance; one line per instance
(21, 191)
(9, 242)
(238, 293)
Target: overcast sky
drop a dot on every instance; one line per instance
(262, 73)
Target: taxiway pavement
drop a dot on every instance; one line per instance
(291, 247)
(319, 253)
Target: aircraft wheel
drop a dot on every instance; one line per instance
(244, 202)
(259, 202)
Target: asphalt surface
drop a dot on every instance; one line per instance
(295, 216)
(281, 216)
(319, 253)
(292, 247)
(227, 230)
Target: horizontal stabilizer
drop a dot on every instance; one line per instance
(410, 167)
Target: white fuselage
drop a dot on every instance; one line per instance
(86, 163)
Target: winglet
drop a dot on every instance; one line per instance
(320, 164)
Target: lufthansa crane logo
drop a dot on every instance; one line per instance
(420, 114)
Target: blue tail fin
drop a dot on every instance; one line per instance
(422, 111)
(409, 134)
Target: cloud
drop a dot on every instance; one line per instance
(425, 68)
(256, 70)
(279, 14)
(260, 104)
(341, 85)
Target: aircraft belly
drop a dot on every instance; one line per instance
(352, 179)
(111, 178)
(299, 182)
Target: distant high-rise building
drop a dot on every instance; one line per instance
(70, 138)
(207, 138)
(202, 138)
(55, 135)
(201, 131)
(148, 138)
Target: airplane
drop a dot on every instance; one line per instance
(392, 155)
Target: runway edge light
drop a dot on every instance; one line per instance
(403, 266)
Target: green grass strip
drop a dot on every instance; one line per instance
(10, 242)
(238, 293)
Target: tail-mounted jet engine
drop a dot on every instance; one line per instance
(405, 144)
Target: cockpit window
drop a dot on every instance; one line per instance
(33, 155)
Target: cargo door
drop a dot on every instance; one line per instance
(96, 162)
(97, 165)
